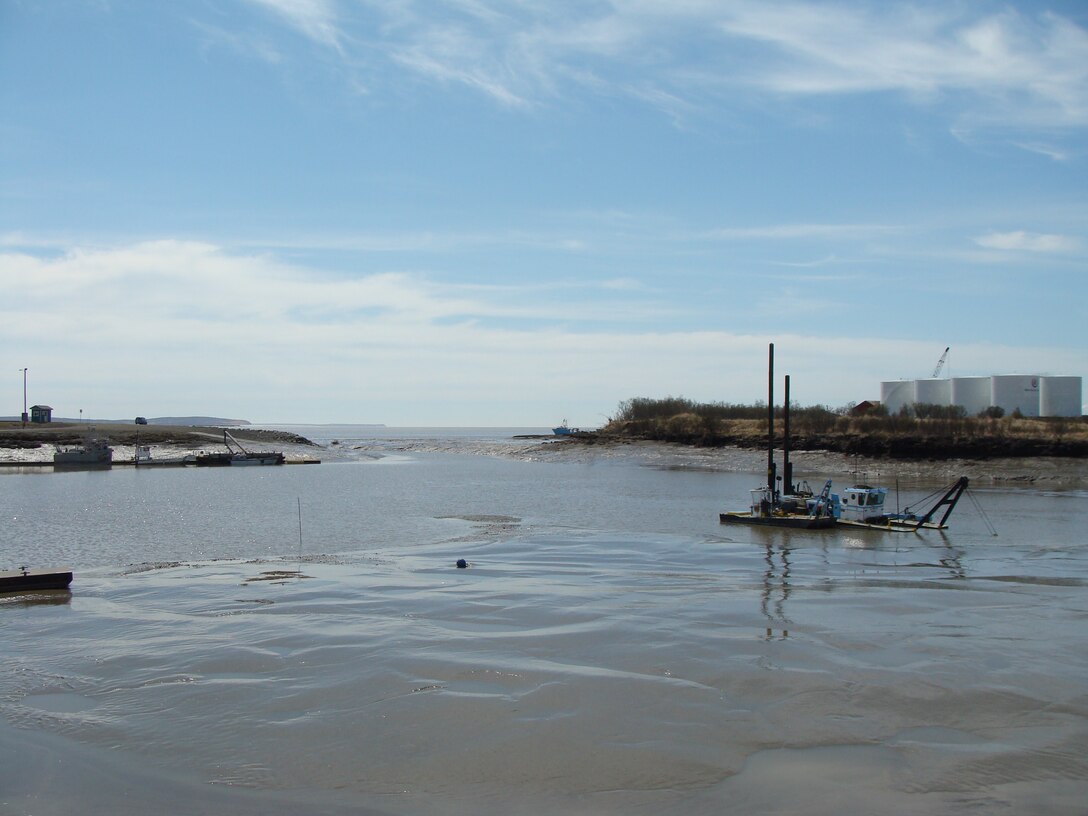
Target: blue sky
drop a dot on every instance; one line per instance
(474, 212)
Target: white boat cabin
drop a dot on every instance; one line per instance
(861, 503)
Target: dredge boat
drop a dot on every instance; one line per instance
(795, 506)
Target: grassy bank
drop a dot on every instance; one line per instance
(818, 428)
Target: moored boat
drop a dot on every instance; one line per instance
(235, 455)
(94, 453)
(860, 505)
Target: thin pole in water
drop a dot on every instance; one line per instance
(299, 499)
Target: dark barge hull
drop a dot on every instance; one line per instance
(33, 580)
(795, 522)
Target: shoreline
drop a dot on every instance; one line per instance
(33, 446)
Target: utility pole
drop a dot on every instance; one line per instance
(24, 397)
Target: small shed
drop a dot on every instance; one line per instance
(41, 413)
(864, 407)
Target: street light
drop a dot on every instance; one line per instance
(24, 397)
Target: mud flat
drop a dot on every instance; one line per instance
(1051, 471)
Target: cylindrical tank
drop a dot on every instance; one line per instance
(973, 393)
(933, 392)
(1059, 396)
(897, 393)
(1016, 392)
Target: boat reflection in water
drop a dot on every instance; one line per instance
(776, 591)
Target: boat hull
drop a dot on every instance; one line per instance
(891, 525)
(257, 459)
(795, 522)
(34, 580)
(84, 459)
(82, 463)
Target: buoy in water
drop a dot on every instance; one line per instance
(462, 563)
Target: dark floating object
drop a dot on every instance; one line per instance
(462, 563)
(26, 580)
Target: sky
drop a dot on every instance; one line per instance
(514, 212)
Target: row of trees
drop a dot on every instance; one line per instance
(643, 408)
(679, 419)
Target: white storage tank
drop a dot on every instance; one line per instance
(973, 393)
(1016, 392)
(1059, 396)
(933, 392)
(897, 393)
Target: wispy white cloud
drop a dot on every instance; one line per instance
(246, 44)
(1019, 240)
(1050, 151)
(1008, 68)
(185, 327)
(827, 259)
(158, 280)
(799, 231)
(315, 19)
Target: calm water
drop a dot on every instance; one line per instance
(611, 649)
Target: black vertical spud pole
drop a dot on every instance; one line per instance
(787, 465)
(770, 418)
